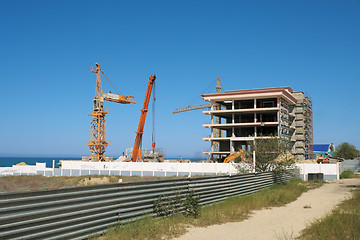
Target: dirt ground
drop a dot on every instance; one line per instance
(280, 222)
(38, 182)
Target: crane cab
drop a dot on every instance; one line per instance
(98, 105)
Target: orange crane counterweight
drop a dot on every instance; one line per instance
(136, 155)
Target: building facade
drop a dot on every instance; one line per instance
(240, 117)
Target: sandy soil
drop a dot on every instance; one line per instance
(280, 222)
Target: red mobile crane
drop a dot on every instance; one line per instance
(136, 154)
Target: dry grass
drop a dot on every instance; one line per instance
(342, 223)
(231, 210)
(38, 182)
(238, 208)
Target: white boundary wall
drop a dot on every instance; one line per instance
(331, 171)
(167, 168)
(80, 168)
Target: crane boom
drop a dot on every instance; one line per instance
(118, 98)
(201, 106)
(144, 110)
(190, 108)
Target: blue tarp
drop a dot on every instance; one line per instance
(321, 147)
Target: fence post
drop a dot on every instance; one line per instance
(53, 167)
(177, 168)
(216, 172)
(142, 169)
(303, 171)
(202, 168)
(153, 168)
(120, 168)
(254, 161)
(190, 169)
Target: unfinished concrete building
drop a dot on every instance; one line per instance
(239, 117)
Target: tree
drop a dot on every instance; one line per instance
(347, 151)
(271, 154)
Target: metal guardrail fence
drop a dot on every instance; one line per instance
(78, 212)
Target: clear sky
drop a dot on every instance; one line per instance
(47, 48)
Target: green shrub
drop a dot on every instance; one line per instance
(347, 174)
(168, 205)
(191, 204)
(347, 151)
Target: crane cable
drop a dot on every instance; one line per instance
(202, 92)
(113, 85)
(153, 119)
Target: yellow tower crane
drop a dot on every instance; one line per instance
(97, 142)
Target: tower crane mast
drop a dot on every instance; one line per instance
(97, 143)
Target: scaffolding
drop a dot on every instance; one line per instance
(304, 126)
(309, 135)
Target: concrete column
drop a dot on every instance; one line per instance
(233, 132)
(255, 132)
(233, 118)
(233, 105)
(232, 147)
(254, 103)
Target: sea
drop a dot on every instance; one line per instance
(9, 161)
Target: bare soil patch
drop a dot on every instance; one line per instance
(38, 182)
(280, 222)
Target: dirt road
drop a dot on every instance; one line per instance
(280, 222)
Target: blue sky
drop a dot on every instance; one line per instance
(47, 48)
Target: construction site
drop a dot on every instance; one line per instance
(238, 118)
